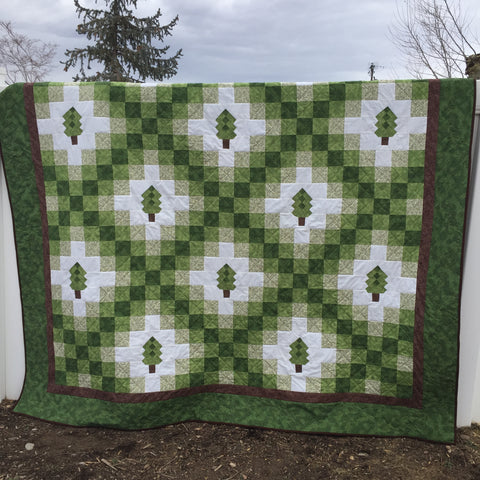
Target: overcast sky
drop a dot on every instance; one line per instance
(246, 40)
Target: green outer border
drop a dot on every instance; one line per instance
(434, 421)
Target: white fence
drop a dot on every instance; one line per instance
(12, 362)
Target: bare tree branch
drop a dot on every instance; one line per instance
(23, 58)
(434, 36)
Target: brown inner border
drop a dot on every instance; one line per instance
(427, 223)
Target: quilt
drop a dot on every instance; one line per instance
(280, 255)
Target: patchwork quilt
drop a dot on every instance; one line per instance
(277, 255)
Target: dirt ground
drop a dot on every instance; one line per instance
(36, 450)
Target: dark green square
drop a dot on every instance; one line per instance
(273, 94)
(337, 91)
(149, 126)
(347, 237)
(359, 341)
(315, 295)
(211, 364)
(182, 307)
(344, 327)
(350, 174)
(167, 262)
(181, 157)
(137, 263)
(288, 143)
(397, 222)
(105, 172)
(69, 337)
(71, 365)
(240, 364)
(300, 280)
(240, 336)
(366, 190)
(164, 110)
(165, 142)
(76, 204)
(90, 187)
(122, 248)
(197, 233)
(257, 235)
(117, 94)
(285, 295)
(398, 190)
(122, 309)
(289, 110)
(405, 332)
(257, 175)
(255, 323)
(210, 335)
(321, 109)
(226, 204)
(179, 94)
(211, 219)
(182, 248)
(91, 218)
(152, 277)
(412, 238)
(357, 371)
(342, 385)
(381, 206)
(332, 252)
(304, 126)
(415, 174)
(133, 110)
(196, 173)
(272, 159)
(335, 158)
(211, 189)
(330, 310)
(241, 220)
(242, 190)
(388, 375)
(271, 250)
(374, 357)
(225, 349)
(315, 265)
(137, 292)
(390, 345)
(285, 265)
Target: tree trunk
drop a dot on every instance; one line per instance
(375, 297)
(298, 369)
(74, 140)
(301, 221)
(384, 140)
(226, 143)
(151, 369)
(78, 294)
(151, 217)
(226, 294)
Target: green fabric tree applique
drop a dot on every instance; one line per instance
(78, 279)
(386, 125)
(151, 202)
(72, 125)
(302, 204)
(298, 354)
(226, 280)
(226, 128)
(376, 283)
(151, 354)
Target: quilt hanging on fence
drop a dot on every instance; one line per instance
(274, 255)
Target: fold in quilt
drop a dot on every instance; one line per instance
(277, 255)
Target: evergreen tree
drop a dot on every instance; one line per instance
(151, 202)
(298, 354)
(302, 204)
(376, 282)
(151, 354)
(386, 125)
(226, 128)
(122, 45)
(226, 280)
(72, 125)
(78, 279)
